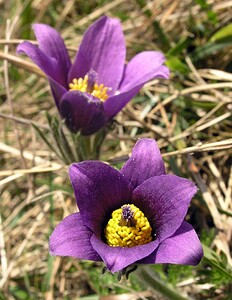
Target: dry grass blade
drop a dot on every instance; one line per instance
(28, 155)
(222, 145)
(37, 169)
(22, 63)
(128, 296)
(43, 165)
(215, 74)
(23, 245)
(3, 250)
(23, 121)
(203, 87)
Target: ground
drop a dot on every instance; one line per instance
(189, 115)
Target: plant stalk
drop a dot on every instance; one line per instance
(147, 276)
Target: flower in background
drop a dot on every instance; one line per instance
(92, 90)
(132, 216)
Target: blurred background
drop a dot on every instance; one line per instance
(189, 116)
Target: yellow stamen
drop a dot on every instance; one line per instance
(98, 91)
(136, 233)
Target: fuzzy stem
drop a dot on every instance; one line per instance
(148, 277)
(89, 147)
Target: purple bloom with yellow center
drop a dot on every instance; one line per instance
(92, 90)
(132, 216)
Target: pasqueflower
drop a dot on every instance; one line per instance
(92, 90)
(132, 216)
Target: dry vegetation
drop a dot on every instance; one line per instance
(189, 115)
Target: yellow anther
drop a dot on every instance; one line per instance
(82, 85)
(137, 232)
(138, 215)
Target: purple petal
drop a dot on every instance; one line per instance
(182, 248)
(82, 112)
(117, 258)
(72, 238)
(115, 104)
(48, 65)
(51, 43)
(99, 190)
(141, 69)
(103, 50)
(164, 200)
(57, 91)
(145, 162)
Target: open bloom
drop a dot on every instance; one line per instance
(135, 215)
(92, 90)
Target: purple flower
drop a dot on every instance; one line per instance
(92, 90)
(135, 215)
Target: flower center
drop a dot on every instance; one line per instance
(128, 227)
(88, 84)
